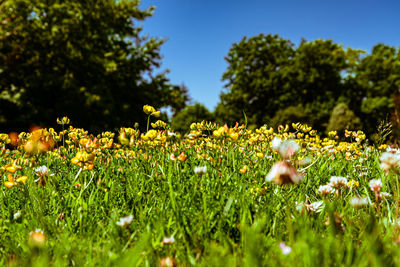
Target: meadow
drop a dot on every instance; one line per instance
(219, 196)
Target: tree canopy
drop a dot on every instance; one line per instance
(85, 59)
(270, 81)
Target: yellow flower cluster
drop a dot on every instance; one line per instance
(209, 141)
(12, 178)
(154, 137)
(84, 160)
(149, 110)
(127, 136)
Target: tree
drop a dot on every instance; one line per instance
(267, 76)
(195, 113)
(316, 76)
(84, 59)
(255, 80)
(378, 77)
(178, 98)
(291, 114)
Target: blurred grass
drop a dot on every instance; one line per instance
(221, 218)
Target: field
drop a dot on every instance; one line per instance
(219, 196)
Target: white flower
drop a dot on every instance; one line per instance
(338, 181)
(275, 143)
(200, 170)
(312, 208)
(37, 238)
(358, 202)
(325, 190)
(42, 171)
(286, 148)
(285, 249)
(168, 240)
(389, 161)
(375, 185)
(392, 150)
(17, 215)
(171, 133)
(125, 221)
(384, 195)
(283, 172)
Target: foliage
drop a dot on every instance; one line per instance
(267, 77)
(254, 77)
(378, 76)
(342, 118)
(83, 59)
(291, 114)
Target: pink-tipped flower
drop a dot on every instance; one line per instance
(325, 190)
(338, 182)
(358, 202)
(375, 185)
(282, 173)
(286, 148)
(310, 208)
(384, 195)
(389, 161)
(168, 240)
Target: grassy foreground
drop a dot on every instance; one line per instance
(72, 199)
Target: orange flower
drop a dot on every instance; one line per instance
(182, 157)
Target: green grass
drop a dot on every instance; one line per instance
(221, 218)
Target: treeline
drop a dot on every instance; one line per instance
(87, 60)
(90, 61)
(270, 81)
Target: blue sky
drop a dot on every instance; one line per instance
(200, 32)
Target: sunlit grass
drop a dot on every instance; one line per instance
(158, 197)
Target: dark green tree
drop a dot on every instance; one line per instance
(378, 77)
(317, 77)
(291, 114)
(178, 98)
(85, 59)
(255, 80)
(270, 81)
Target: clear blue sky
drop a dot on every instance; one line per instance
(201, 32)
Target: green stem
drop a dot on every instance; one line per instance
(396, 197)
(148, 123)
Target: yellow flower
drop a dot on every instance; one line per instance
(64, 120)
(156, 113)
(22, 179)
(150, 135)
(382, 147)
(234, 135)
(244, 169)
(148, 109)
(353, 183)
(159, 124)
(9, 184)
